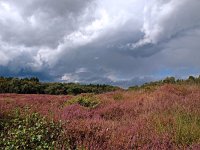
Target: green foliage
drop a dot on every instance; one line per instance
(191, 78)
(134, 88)
(89, 100)
(169, 80)
(28, 132)
(33, 86)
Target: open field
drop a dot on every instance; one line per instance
(165, 117)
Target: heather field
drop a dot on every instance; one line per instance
(164, 117)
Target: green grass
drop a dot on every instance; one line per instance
(183, 126)
(187, 129)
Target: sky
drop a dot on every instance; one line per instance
(100, 41)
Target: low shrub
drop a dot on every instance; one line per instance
(87, 100)
(29, 132)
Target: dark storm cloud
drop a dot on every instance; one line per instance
(99, 41)
(40, 22)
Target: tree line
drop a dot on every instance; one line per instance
(34, 86)
(168, 80)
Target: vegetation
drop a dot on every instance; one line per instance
(164, 116)
(118, 96)
(169, 80)
(88, 100)
(33, 86)
(184, 127)
(30, 131)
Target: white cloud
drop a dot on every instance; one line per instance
(164, 19)
(70, 78)
(81, 70)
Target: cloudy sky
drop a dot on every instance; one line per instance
(120, 42)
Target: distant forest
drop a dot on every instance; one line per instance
(169, 80)
(34, 86)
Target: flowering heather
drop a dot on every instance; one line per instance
(167, 117)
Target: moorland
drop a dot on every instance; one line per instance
(158, 115)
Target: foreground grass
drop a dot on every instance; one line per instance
(167, 117)
(183, 127)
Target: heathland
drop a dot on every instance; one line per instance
(158, 115)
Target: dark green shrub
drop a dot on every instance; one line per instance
(171, 80)
(191, 78)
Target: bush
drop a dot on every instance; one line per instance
(169, 80)
(29, 132)
(88, 100)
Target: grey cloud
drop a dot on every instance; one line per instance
(41, 22)
(99, 41)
